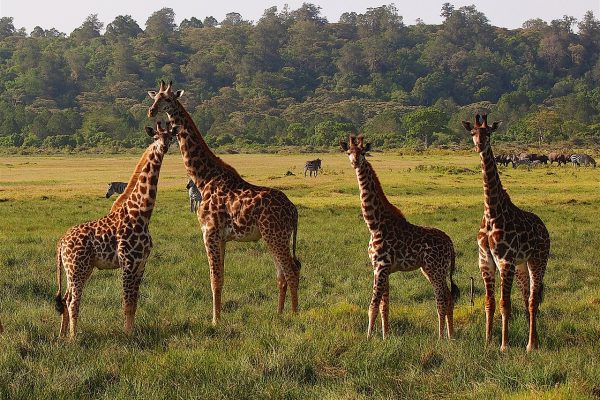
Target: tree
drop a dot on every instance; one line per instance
(422, 124)
(233, 19)
(38, 32)
(90, 29)
(6, 27)
(122, 26)
(447, 10)
(190, 23)
(161, 23)
(210, 22)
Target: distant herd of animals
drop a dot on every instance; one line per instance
(228, 208)
(532, 159)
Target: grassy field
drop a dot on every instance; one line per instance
(322, 352)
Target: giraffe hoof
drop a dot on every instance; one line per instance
(531, 347)
(503, 348)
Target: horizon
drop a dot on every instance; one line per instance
(52, 15)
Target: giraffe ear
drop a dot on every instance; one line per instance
(179, 93)
(344, 146)
(495, 125)
(467, 125)
(367, 148)
(149, 131)
(152, 94)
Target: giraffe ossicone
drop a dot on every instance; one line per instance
(398, 245)
(231, 208)
(120, 239)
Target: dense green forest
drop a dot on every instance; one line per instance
(294, 78)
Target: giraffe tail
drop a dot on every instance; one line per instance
(59, 303)
(454, 290)
(296, 260)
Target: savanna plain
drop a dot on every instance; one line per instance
(322, 352)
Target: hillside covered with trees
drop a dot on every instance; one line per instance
(294, 78)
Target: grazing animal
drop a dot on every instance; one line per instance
(515, 241)
(582, 159)
(115, 187)
(398, 245)
(119, 240)
(558, 158)
(521, 161)
(194, 194)
(312, 166)
(231, 208)
(503, 159)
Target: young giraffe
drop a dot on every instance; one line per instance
(398, 245)
(231, 208)
(516, 241)
(119, 240)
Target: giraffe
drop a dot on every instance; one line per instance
(398, 245)
(231, 208)
(118, 240)
(515, 241)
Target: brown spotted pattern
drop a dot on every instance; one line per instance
(118, 240)
(515, 241)
(231, 208)
(398, 245)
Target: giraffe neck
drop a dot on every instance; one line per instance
(202, 165)
(143, 196)
(372, 199)
(495, 197)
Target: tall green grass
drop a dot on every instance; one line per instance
(322, 352)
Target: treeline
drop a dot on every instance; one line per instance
(293, 78)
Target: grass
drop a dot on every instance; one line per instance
(322, 352)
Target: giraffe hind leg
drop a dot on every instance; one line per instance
(536, 274)
(286, 269)
(522, 275)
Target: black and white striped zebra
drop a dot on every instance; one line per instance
(115, 187)
(312, 166)
(582, 159)
(195, 196)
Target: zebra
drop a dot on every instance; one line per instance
(195, 196)
(516, 161)
(115, 187)
(579, 159)
(312, 166)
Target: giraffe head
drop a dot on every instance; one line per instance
(481, 132)
(162, 137)
(356, 150)
(165, 100)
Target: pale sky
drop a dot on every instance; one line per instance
(66, 15)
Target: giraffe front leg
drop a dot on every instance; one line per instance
(380, 283)
(507, 273)
(487, 268)
(384, 309)
(215, 250)
(282, 285)
(132, 278)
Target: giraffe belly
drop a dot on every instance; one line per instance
(106, 264)
(247, 234)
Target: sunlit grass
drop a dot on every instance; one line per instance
(322, 352)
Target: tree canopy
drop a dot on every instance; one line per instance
(295, 78)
